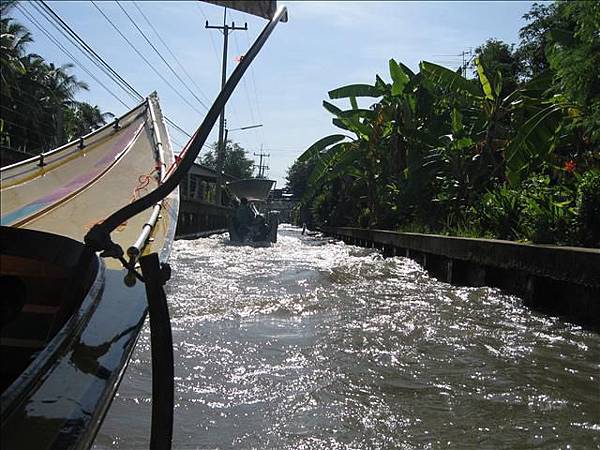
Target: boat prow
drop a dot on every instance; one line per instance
(69, 322)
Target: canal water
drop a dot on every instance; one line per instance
(315, 344)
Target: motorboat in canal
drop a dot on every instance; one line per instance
(85, 233)
(69, 322)
(257, 224)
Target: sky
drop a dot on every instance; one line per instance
(324, 45)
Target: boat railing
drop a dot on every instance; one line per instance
(136, 249)
(79, 140)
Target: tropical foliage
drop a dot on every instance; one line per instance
(38, 109)
(235, 162)
(511, 153)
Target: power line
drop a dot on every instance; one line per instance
(181, 130)
(87, 50)
(72, 36)
(55, 41)
(95, 57)
(256, 93)
(160, 56)
(245, 85)
(170, 51)
(177, 127)
(145, 60)
(69, 37)
(212, 41)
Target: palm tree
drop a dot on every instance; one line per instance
(61, 88)
(82, 118)
(36, 94)
(13, 39)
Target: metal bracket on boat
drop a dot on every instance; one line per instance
(116, 125)
(132, 276)
(81, 143)
(98, 239)
(41, 163)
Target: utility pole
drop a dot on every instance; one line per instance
(465, 62)
(261, 167)
(225, 29)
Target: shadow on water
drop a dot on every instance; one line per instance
(312, 343)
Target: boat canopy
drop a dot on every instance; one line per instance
(253, 189)
(265, 9)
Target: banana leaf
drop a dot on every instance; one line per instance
(449, 80)
(354, 90)
(320, 145)
(534, 142)
(399, 77)
(331, 108)
(489, 92)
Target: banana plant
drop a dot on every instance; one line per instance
(385, 144)
(492, 118)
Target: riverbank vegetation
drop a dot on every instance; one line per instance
(235, 160)
(512, 152)
(38, 105)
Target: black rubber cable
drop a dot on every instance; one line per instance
(161, 345)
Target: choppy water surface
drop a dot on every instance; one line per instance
(316, 344)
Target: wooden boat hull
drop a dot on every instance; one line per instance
(58, 393)
(60, 400)
(74, 187)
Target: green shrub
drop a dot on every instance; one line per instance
(587, 208)
(500, 213)
(548, 213)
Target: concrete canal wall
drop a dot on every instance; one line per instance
(558, 280)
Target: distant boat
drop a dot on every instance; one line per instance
(69, 322)
(261, 230)
(253, 189)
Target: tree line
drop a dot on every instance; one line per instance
(38, 106)
(511, 153)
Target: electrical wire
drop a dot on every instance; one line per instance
(134, 48)
(244, 83)
(160, 55)
(92, 54)
(181, 130)
(55, 41)
(177, 127)
(231, 106)
(258, 102)
(247, 94)
(170, 51)
(212, 41)
(69, 34)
